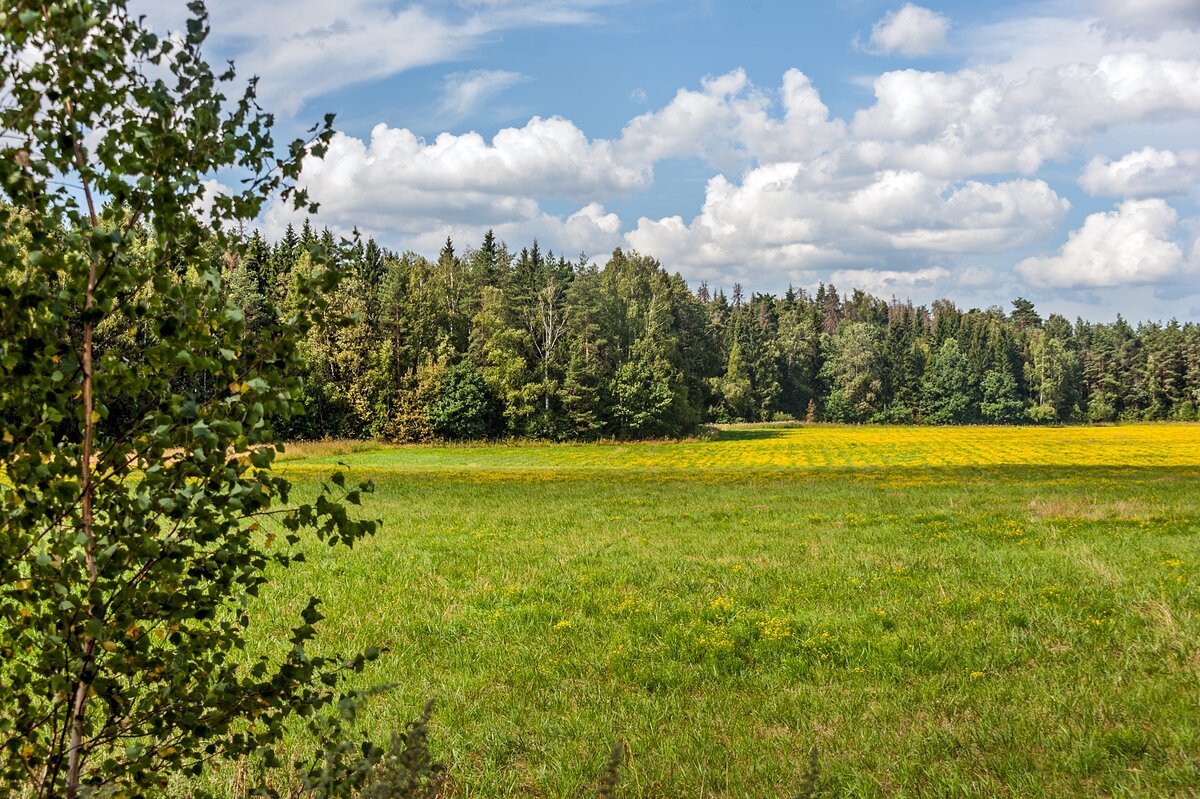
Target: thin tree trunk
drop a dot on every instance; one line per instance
(83, 683)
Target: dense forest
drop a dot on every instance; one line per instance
(491, 343)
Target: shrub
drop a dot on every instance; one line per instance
(464, 408)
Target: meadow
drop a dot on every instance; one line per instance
(967, 612)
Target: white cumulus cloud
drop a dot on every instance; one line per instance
(398, 173)
(978, 121)
(1130, 245)
(1143, 173)
(912, 30)
(730, 121)
(782, 219)
(404, 189)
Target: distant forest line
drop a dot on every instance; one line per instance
(490, 343)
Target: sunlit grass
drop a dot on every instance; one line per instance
(943, 611)
(766, 448)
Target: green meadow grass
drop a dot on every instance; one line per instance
(961, 612)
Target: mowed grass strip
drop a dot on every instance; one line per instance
(942, 611)
(741, 448)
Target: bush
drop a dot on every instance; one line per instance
(895, 413)
(1100, 411)
(1043, 414)
(464, 408)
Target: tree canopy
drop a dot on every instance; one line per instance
(571, 349)
(142, 378)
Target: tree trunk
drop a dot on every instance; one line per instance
(83, 682)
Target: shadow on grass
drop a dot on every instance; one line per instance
(751, 434)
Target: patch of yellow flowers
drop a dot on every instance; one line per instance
(774, 628)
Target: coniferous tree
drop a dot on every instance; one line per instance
(553, 340)
(498, 348)
(588, 370)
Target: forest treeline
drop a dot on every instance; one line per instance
(491, 343)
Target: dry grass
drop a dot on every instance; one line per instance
(1088, 507)
(326, 448)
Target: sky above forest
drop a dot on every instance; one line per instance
(977, 151)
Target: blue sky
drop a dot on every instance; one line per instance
(959, 149)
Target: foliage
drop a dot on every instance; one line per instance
(415, 398)
(948, 392)
(1100, 411)
(463, 409)
(853, 370)
(643, 395)
(574, 350)
(1001, 403)
(139, 374)
(407, 770)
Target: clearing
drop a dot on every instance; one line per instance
(942, 611)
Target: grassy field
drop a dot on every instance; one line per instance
(944, 612)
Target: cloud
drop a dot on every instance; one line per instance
(591, 230)
(915, 212)
(1143, 173)
(543, 157)
(1128, 246)
(1148, 17)
(1119, 87)
(700, 124)
(941, 167)
(882, 282)
(401, 187)
(730, 122)
(783, 219)
(953, 125)
(302, 49)
(464, 92)
(913, 30)
(977, 121)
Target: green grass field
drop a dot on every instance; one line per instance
(943, 612)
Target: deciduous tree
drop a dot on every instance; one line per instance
(128, 550)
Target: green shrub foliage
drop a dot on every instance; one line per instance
(464, 409)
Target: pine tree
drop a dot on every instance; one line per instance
(1024, 315)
